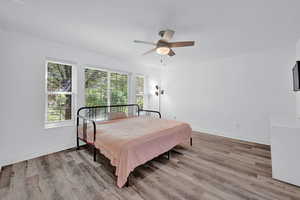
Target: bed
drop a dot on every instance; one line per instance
(129, 136)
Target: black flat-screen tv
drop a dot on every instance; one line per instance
(296, 75)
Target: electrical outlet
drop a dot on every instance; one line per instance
(174, 117)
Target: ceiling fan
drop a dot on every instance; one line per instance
(163, 46)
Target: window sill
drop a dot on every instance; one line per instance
(59, 124)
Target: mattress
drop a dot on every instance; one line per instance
(130, 142)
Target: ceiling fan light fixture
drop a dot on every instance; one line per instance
(163, 50)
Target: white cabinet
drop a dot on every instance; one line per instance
(285, 150)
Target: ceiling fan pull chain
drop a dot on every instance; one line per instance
(163, 60)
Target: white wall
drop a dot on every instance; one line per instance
(234, 97)
(22, 101)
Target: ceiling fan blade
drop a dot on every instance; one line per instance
(168, 34)
(150, 51)
(181, 44)
(171, 53)
(144, 42)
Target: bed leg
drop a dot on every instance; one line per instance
(191, 141)
(77, 148)
(169, 154)
(95, 153)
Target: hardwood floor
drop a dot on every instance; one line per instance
(214, 168)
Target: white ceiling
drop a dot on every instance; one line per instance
(220, 28)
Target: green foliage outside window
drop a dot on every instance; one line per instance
(118, 88)
(101, 84)
(95, 87)
(59, 107)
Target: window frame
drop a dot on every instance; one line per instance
(109, 71)
(61, 123)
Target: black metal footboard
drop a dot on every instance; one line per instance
(85, 121)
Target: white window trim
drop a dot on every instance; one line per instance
(109, 71)
(73, 93)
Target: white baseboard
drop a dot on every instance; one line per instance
(219, 133)
(33, 155)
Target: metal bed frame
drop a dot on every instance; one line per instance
(96, 113)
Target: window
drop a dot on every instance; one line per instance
(96, 87)
(59, 93)
(105, 87)
(118, 88)
(139, 91)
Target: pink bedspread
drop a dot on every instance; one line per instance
(131, 142)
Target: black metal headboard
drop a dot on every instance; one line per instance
(101, 112)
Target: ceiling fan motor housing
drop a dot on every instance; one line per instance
(161, 33)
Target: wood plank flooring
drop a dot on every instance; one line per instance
(214, 168)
